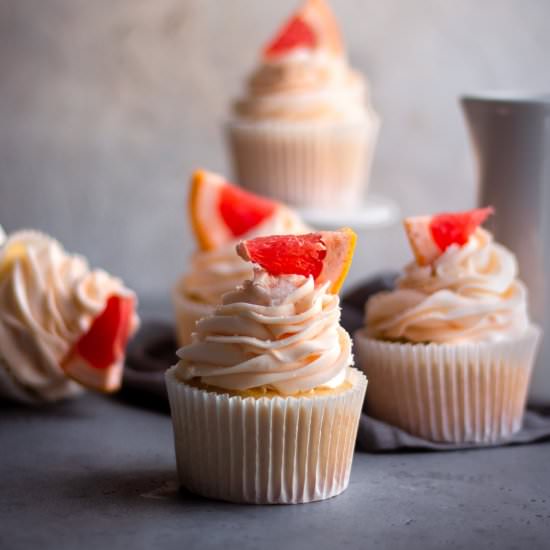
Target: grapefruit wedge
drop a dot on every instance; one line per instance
(312, 26)
(221, 212)
(97, 359)
(326, 255)
(430, 236)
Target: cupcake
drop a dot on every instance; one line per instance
(449, 352)
(62, 326)
(265, 403)
(221, 214)
(304, 132)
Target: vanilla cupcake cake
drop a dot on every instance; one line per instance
(221, 215)
(265, 404)
(449, 352)
(305, 132)
(63, 327)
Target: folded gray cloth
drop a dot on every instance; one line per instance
(377, 436)
(154, 350)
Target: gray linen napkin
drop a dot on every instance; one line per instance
(377, 436)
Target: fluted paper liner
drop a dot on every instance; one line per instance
(304, 164)
(265, 450)
(187, 313)
(460, 393)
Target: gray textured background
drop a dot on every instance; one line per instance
(107, 105)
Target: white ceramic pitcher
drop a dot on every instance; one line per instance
(510, 134)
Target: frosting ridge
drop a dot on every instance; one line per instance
(305, 85)
(470, 293)
(280, 333)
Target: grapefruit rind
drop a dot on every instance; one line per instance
(340, 249)
(221, 212)
(321, 17)
(107, 380)
(421, 240)
(212, 232)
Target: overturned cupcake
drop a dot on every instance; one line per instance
(265, 403)
(62, 326)
(305, 132)
(221, 214)
(449, 352)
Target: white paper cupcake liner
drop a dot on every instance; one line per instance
(305, 165)
(265, 450)
(187, 313)
(460, 393)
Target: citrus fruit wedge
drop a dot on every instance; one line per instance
(97, 359)
(326, 255)
(221, 212)
(312, 26)
(296, 33)
(430, 236)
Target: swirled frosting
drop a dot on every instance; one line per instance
(48, 299)
(305, 85)
(213, 273)
(278, 333)
(470, 293)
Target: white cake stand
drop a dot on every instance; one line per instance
(375, 213)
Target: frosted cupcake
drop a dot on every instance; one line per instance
(449, 352)
(265, 404)
(305, 133)
(62, 326)
(221, 215)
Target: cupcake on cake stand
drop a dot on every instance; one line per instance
(304, 132)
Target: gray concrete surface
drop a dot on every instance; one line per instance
(97, 473)
(107, 105)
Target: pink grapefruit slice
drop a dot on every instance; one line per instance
(430, 236)
(312, 26)
(296, 33)
(221, 212)
(97, 359)
(326, 255)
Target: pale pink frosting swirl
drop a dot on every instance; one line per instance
(281, 333)
(305, 85)
(471, 293)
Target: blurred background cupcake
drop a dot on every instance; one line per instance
(304, 132)
(449, 353)
(221, 214)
